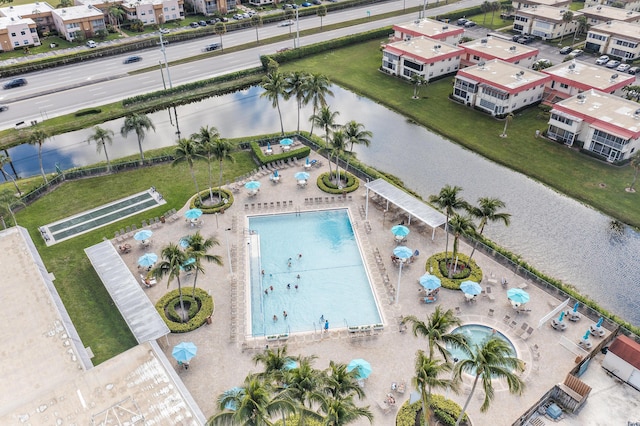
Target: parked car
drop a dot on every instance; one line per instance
(316, 2)
(306, 4)
(623, 68)
(566, 50)
(132, 59)
(576, 53)
(634, 70)
(4, 108)
(212, 46)
(286, 23)
(16, 82)
(164, 31)
(612, 63)
(202, 23)
(194, 25)
(461, 21)
(238, 16)
(91, 44)
(469, 24)
(602, 60)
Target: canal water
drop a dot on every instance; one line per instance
(556, 234)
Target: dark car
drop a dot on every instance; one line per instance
(132, 59)
(306, 4)
(516, 37)
(634, 70)
(566, 50)
(316, 2)
(16, 82)
(462, 21)
(3, 108)
(202, 23)
(212, 46)
(213, 21)
(469, 24)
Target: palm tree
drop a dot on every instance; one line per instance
(507, 120)
(187, 152)
(256, 21)
(583, 25)
(274, 87)
(326, 119)
(492, 359)
(220, 28)
(566, 18)
(221, 151)
(485, 7)
(140, 124)
(341, 383)
(116, 13)
(303, 383)
(495, 6)
(172, 260)
(486, 211)
(635, 165)
(436, 330)
(448, 200)
(4, 160)
(356, 135)
(101, 137)
(317, 89)
(197, 248)
(342, 411)
(206, 138)
(295, 88)
(39, 137)
(338, 144)
(417, 80)
(274, 362)
(428, 372)
(7, 202)
(321, 12)
(460, 225)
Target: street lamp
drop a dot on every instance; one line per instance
(166, 65)
(228, 250)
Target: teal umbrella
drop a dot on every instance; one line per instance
(183, 352)
(517, 295)
(430, 282)
(400, 231)
(193, 214)
(470, 287)
(403, 252)
(147, 259)
(286, 142)
(362, 368)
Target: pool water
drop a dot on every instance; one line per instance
(476, 334)
(333, 281)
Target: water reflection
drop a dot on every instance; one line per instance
(557, 235)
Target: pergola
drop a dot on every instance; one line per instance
(414, 207)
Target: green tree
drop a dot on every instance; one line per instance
(187, 152)
(490, 360)
(485, 8)
(417, 80)
(436, 331)
(495, 6)
(583, 25)
(321, 11)
(39, 137)
(102, 137)
(507, 120)
(428, 371)
(342, 411)
(197, 249)
(303, 384)
(220, 28)
(221, 151)
(338, 144)
(487, 211)
(449, 201)
(116, 14)
(356, 134)
(8, 202)
(4, 160)
(635, 165)
(326, 119)
(633, 92)
(256, 22)
(172, 260)
(274, 88)
(460, 226)
(140, 124)
(274, 363)
(317, 88)
(566, 18)
(341, 383)
(206, 138)
(64, 3)
(295, 88)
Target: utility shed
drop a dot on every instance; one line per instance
(623, 360)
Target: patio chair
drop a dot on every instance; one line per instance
(491, 312)
(527, 333)
(144, 223)
(128, 231)
(134, 228)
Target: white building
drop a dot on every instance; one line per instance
(154, 11)
(428, 28)
(623, 360)
(499, 87)
(600, 14)
(211, 7)
(626, 4)
(525, 4)
(489, 48)
(421, 55)
(604, 124)
(75, 21)
(615, 38)
(16, 33)
(544, 22)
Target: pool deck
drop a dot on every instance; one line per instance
(225, 355)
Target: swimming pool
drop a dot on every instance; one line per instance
(320, 247)
(476, 334)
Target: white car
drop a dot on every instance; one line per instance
(623, 67)
(602, 60)
(287, 23)
(164, 31)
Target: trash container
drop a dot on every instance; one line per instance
(162, 219)
(209, 320)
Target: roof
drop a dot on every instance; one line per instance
(627, 349)
(497, 48)
(608, 13)
(607, 112)
(618, 29)
(413, 206)
(20, 10)
(424, 49)
(504, 75)
(78, 12)
(546, 13)
(556, 3)
(586, 76)
(428, 27)
(134, 305)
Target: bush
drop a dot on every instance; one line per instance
(295, 420)
(88, 111)
(472, 272)
(174, 304)
(220, 207)
(325, 184)
(203, 300)
(445, 410)
(256, 148)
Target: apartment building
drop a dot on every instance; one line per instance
(544, 22)
(421, 55)
(431, 28)
(615, 38)
(489, 48)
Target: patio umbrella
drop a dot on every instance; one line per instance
(517, 295)
(290, 364)
(403, 252)
(275, 173)
(307, 162)
(561, 317)
(184, 242)
(576, 306)
(183, 352)
(232, 395)
(301, 176)
(286, 142)
(400, 231)
(430, 282)
(600, 321)
(193, 213)
(142, 235)
(252, 185)
(470, 287)
(362, 367)
(268, 146)
(147, 259)
(586, 335)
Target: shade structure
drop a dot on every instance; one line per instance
(268, 146)
(301, 176)
(184, 242)
(147, 259)
(193, 213)
(286, 142)
(252, 185)
(362, 367)
(403, 252)
(517, 295)
(400, 231)
(184, 351)
(275, 173)
(307, 162)
(586, 335)
(430, 282)
(470, 287)
(142, 235)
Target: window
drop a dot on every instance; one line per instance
(13, 34)
(560, 135)
(561, 119)
(413, 65)
(494, 93)
(166, 9)
(564, 85)
(22, 33)
(608, 140)
(597, 36)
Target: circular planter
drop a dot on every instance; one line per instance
(326, 184)
(436, 265)
(225, 196)
(200, 309)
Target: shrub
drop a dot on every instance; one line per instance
(297, 153)
(325, 184)
(407, 414)
(226, 201)
(203, 300)
(88, 111)
(446, 410)
(472, 272)
(174, 304)
(295, 420)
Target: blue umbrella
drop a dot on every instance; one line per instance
(518, 295)
(252, 185)
(403, 252)
(290, 364)
(561, 316)
(147, 259)
(307, 162)
(576, 306)
(600, 321)
(193, 213)
(275, 173)
(183, 352)
(268, 146)
(232, 395)
(142, 235)
(470, 287)
(301, 176)
(586, 335)
(184, 242)
(362, 367)
(286, 142)
(430, 282)
(400, 231)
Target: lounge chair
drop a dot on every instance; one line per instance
(527, 333)
(558, 325)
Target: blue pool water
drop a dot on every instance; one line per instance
(476, 334)
(333, 281)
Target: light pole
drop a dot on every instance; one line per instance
(297, 43)
(228, 249)
(166, 65)
(424, 10)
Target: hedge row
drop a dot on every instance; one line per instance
(206, 310)
(446, 412)
(298, 153)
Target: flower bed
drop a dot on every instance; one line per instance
(167, 304)
(436, 265)
(225, 196)
(327, 185)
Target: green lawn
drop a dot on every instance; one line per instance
(577, 175)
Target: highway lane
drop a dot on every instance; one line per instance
(59, 91)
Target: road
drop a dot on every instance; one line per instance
(62, 90)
